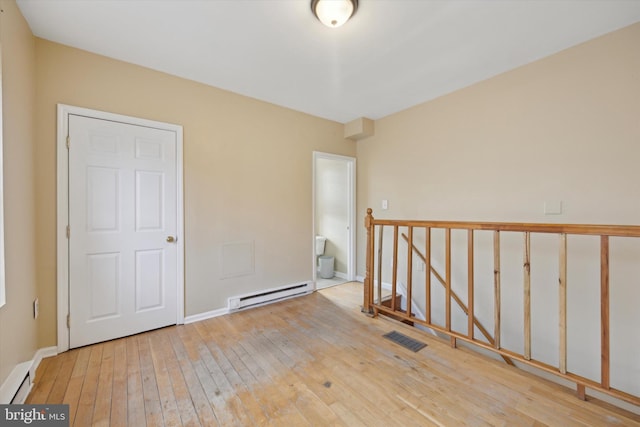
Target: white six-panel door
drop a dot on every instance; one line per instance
(123, 229)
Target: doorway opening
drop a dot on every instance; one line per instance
(334, 189)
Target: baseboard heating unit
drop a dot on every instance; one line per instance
(17, 386)
(269, 295)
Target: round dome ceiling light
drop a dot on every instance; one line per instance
(334, 13)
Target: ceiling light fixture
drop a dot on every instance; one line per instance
(334, 13)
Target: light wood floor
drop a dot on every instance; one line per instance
(313, 360)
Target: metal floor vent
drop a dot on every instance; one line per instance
(405, 341)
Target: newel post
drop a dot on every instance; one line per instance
(368, 279)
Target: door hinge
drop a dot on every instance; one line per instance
(68, 141)
(68, 231)
(68, 321)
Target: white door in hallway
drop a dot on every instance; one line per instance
(122, 229)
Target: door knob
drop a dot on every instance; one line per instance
(171, 239)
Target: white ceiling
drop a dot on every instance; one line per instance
(392, 55)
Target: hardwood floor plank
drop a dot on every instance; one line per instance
(314, 409)
(240, 378)
(87, 400)
(168, 404)
(119, 404)
(102, 407)
(321, 389)
(247, 410)
(198, 396)
(267, 382)
(351, 365)
(74, 388)
(59, 388)
(248, 370)
(347, 415)
(206, 370)
(135, 398)
(186, 410)
(313, 360)
(152, 407)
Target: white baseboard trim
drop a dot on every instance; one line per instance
(336, 274)
(360, 279)
(206, 315)
(340, 275)
(21, 371)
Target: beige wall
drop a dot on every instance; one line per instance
(17, 326)
(247, 170)
(565, 128)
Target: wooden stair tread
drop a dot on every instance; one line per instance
(386, 301)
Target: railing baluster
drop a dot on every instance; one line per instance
(448, 277)
(562, 302)
(457, 299)
(394, 280)
(527, 295)
(427, 273)
(581, 391)
(409, 271)
(470, 286)
(380, 234)
(604, 311)
(496, 290)
(368, 280)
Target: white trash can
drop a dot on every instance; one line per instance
(326, 266)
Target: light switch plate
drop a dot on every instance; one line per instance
(385, 204)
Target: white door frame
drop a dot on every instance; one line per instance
(351, 241)
(63, 208)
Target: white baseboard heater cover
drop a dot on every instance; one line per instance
(17, 386)
(269, 295)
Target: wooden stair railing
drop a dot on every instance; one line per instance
(457, 299)
(562, 230)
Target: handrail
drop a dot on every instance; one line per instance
(457, 299)
(562, 230)
(583, 229)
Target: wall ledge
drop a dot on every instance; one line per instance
(359, 129)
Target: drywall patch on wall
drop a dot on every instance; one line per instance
(237, 259)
